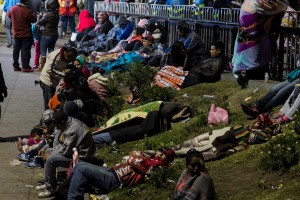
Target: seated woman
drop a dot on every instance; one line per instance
(195, 182)
(208, 70)
(85, 25)
(125, 174)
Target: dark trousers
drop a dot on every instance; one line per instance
(65, 20)
(47, 44)
(48, 93)
(149, 126)
(23, 45)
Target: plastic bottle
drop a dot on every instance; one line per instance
(160, 49)
(266, 77)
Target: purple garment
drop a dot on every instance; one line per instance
(253, 46)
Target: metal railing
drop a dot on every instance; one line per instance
(212, 24)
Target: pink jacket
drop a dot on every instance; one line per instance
(99, 89)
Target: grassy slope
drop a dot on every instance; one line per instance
(235, 177)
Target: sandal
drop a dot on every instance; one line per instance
(282, 120)
(276, 115)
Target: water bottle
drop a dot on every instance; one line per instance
(160, 49)
(266, 77)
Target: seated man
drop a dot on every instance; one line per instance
(121, 31)
(195, 48)
(125, 174)
(103, 26)
(208, 70)
(73, 134)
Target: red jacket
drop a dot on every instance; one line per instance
(21, 17)
(134, 170)
(85, 21)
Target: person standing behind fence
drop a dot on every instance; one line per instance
(195, 49)
(22, 17)
(6, 7)
(253, 47)
(67, 11)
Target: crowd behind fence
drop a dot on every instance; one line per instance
(211, 24)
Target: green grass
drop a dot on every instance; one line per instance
(236, 177)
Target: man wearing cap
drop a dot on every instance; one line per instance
(74, 134)
(125, 174)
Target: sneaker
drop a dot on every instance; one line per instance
(46, 193)
(250, 110)
(17, 69)
(40, 187)
(27, 69)
(35, 163)
(23, 156)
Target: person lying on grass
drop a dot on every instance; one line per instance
(124, 174)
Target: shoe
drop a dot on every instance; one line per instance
(9, 45)
(35, 67)
(27, 69)
(17, 69)
(63, 33)
(40, 187)
(46, 193)
(283, 119)
(250, 110)
(23, 156)
(35, 163)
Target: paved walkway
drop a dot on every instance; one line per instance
(21, 110)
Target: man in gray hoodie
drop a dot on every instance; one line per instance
(73, 134)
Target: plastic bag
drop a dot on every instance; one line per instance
(217, 115)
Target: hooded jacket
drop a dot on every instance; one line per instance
(85, 21)
(53, 69)
(76, 135)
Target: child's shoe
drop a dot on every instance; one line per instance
(23, 156)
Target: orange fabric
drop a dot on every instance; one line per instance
(53, 102)
(182, 183)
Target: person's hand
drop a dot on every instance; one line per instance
(41, 152)
(3, 95)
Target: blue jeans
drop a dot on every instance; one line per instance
(23, 45)
(48, 93)
(52, 162)
(8, 30)
(279, 93)
(47, 43)
(102, 138)
(65, 20)
(86, 174)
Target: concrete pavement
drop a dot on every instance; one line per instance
(21, 110)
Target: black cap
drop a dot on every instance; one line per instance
(60, 117)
